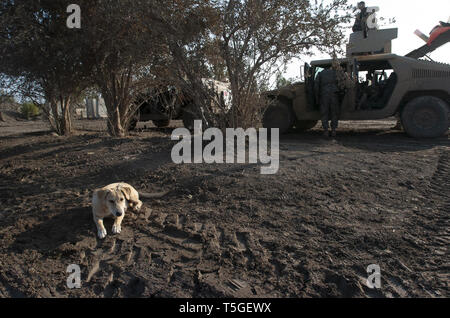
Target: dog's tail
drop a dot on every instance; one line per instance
(157, 195)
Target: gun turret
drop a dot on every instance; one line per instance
(367, 38)
(376, 42)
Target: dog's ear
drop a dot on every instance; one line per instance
(102, 194)
(126, 192)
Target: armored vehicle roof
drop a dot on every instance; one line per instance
(380, 61)
(375, 57)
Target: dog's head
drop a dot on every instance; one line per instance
(115, 200)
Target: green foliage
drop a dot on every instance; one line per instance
(5, 98)
(29, 110)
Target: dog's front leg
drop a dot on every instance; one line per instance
(117, 227)
(100, 228)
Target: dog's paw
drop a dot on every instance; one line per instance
(102, 234)
(135, 206)
(116, 229)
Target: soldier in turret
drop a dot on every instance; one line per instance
(361, 18)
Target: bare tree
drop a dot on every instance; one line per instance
(257, 37)
(185, 28)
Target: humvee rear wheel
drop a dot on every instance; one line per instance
(161, 123)
(133, 124)
(278, 116)
(426, 117)
(305, 125)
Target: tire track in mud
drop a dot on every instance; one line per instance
(218, 261)
(147, 250)
(428, 238)
(225, 259)
(440, 182)
(440, 192)
(215, 256)
(438, 227)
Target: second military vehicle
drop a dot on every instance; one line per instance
(163, 104)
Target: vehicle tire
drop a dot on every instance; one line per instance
(278, 116)
(305, 125)
(189, 116)
(161, 123)
(133, 124)
(426, 117)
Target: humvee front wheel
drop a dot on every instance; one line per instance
(305, 125)
(189, 116)
(278, 116)
(133, 122)
(426, 117)
(161, 123)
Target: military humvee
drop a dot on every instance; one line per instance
(161, 105)
(382, 85)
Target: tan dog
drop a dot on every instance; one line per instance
(113, 201)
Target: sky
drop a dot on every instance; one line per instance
(410, 16)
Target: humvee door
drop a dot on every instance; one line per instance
(350, 96)
(309, 86)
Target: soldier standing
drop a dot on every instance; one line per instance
(328, 84)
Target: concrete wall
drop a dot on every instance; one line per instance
(95, 108)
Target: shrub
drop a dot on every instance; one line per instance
(29, 110)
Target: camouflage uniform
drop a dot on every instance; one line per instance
(329, 99)
(361, 18)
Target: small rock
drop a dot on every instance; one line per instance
(146, 214)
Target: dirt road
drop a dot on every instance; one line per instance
(373, 196)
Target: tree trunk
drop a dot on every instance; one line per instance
(236, 101)
(66, 118)
(116, 93)
(115, 124)
(53, 116)
(59, 115)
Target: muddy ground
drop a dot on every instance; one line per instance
(373, 196)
